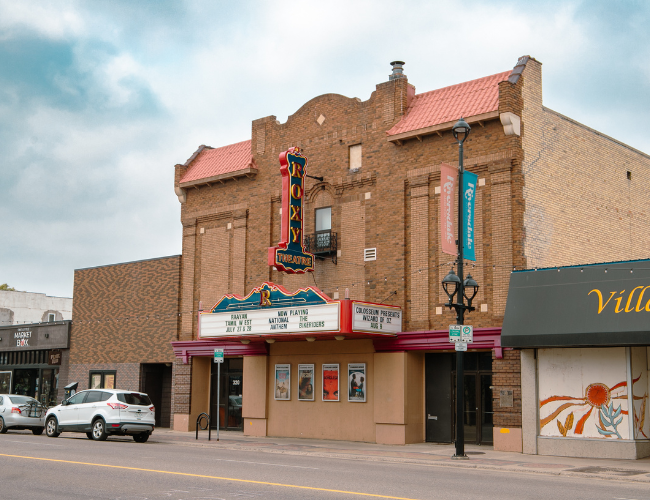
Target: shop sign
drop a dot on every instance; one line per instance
(22, 337)
(290, 255)
(372, 318)
(36, 336)
(54, 357)
(593, 305)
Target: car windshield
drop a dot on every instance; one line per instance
(21, 400)
(134, 399)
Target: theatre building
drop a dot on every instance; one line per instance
(312, 257)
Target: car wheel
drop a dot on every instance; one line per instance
(3, 427)
(89, 435)
(51, 428)
(37, 431)
(99, 430)
(141, 438)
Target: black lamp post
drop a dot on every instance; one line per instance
(454, 285)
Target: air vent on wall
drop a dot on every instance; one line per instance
(369, 254)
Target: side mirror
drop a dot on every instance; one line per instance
(64, 402)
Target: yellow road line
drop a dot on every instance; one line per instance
(209, 477)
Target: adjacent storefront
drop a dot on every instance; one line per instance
(32, 358)
(585, 335)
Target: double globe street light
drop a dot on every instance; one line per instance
(454, 285)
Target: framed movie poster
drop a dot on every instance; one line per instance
(305, 382)
(331, 382)
(357, 382)
(283, 382)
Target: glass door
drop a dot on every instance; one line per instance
(478, 412)
(5, 382)
(230, 394)
(49, 386)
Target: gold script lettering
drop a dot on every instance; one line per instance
(618, 302)
(638, 302)
(600, 299)
(629, 299)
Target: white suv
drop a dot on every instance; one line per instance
(100, 413)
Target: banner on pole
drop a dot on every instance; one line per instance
(448, 179)
(469, 194)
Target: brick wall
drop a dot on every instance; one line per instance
(125, 313)
(580, 205)
(127, 375)
(506, 376)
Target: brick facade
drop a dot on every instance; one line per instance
(125, 313)
(124, 318)
(545, 197)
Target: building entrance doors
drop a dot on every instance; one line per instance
(441, 397)
(230, 398)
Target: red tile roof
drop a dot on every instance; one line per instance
(450, 103)
(213, 162)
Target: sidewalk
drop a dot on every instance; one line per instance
(480, 457)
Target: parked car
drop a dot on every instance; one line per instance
(103, 412)
(21, 412)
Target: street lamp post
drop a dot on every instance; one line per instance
(453, 284)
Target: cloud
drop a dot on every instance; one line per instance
(99, 100)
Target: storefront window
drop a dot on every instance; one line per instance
(5, 382)
(102, 380)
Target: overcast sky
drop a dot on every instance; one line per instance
(99, 100)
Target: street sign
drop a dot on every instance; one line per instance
(454, 333)
(218, 355)
(461, 346)
(467, 333)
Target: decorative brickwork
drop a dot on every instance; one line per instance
(126, 313)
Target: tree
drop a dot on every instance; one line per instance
(7, 288)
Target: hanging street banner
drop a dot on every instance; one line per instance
(290, 255)
(469, 194)
(448, 181)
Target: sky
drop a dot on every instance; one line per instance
(99, 100)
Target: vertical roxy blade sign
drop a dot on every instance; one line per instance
(468, 194)
(448, 179)
(290, 255)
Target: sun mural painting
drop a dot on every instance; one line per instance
(600, 407)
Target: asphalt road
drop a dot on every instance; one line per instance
(74, 467)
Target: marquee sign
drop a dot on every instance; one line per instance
(271, 310)
(290, 255)
(375, 318)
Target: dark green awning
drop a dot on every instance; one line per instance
(592, 305)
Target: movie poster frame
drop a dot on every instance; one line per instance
(307, 367)
(278, 368)
(331, 367)
(358, 368)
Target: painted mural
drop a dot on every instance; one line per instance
(584, 393)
